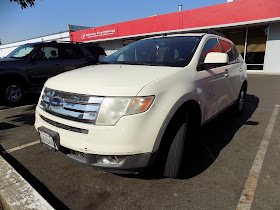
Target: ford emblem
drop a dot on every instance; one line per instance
(56, 102)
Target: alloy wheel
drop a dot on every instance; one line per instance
(13, 93)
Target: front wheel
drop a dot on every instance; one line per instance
(176, 151)
(172, 148)
(12, 93)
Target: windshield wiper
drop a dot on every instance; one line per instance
(132, 63)
(16, 57)
(103, 62)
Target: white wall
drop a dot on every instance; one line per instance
(272, 55)
(5, 49)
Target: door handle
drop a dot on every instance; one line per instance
(226, 73)
(240, 69)
(57, 64)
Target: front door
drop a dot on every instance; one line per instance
(43, 64)
(212, 82)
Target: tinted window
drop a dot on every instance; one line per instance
(71, 52)
(211, 45)
(227, 48)
(164, 51)
(46, 53)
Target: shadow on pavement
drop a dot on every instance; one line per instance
(215, 136)
(27, 119)
(33, 181)
(29, 100)
(5, 126)
(212, 138)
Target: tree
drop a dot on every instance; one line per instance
(24, 3)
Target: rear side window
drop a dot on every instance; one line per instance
(227, 48)
(211, 45)
(71, 52)
(236, 52)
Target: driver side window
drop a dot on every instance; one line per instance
(46, 53)
(211, 45)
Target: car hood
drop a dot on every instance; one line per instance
(9, 62)
(109, 79)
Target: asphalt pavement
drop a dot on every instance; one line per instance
(216, 172)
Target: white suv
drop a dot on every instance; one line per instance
(139, 106)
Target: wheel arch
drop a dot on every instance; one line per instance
(14, 76)
(191, 107)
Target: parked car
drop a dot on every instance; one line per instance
(30, 65)
(140, 107)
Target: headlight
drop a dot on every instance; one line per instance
(113, 108)
(41, 95)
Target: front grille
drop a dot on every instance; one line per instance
(78, 155)
(70, 106)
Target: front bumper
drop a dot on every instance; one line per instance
(134, 134)
(133, 164)
(133, 137)
(124, 164)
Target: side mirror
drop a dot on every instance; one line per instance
(215, 59)
(37, 57)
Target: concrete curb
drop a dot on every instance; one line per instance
(16, 192)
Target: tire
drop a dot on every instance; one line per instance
(172, 148)
(240, 103)
(12, 93)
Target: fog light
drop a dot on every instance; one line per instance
(110, 159)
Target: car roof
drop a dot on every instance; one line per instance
(174, 35)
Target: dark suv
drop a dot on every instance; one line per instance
(30, 65)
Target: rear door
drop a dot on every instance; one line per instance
(72, 57)
(232, 69)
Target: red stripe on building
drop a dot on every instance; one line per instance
(226, 13)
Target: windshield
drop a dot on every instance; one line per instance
(164, 51)
(21, 52)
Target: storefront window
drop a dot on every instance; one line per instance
(256, 47)
(238, 37)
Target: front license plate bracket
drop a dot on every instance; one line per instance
(49, 138)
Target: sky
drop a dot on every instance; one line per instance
(52, 16)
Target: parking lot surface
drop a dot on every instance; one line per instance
(226, 153)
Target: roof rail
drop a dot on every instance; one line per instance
(216, 33)
(62, 41)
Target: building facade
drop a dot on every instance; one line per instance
(253, 25)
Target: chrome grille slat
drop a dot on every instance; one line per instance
(73, 98)
(81, 107)
(74, 106)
